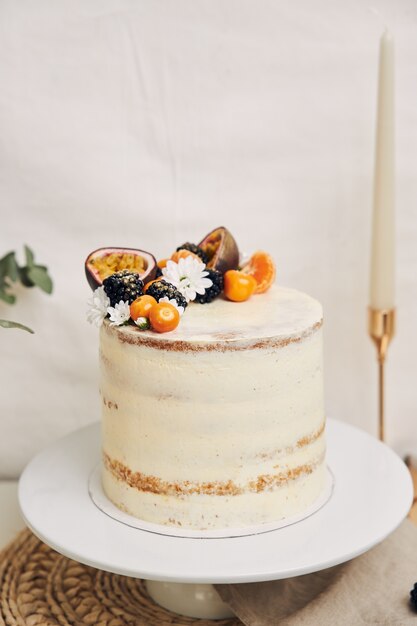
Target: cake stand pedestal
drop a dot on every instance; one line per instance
(191, 600)
(372, 494)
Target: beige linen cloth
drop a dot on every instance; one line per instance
(370, 589)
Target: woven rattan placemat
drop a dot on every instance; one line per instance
(39, 587)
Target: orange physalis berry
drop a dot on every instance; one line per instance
(262, 267)
(182, 254)
(238, 286)
(162, 263)
(164, 317)
(141, 307)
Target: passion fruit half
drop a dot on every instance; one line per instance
(106, 261)
(221, 250)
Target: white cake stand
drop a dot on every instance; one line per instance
(372, 494)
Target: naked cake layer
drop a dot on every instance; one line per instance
(221, 422)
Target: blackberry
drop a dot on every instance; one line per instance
(124, 285)
(413, 597)
(196, 249)
(213, 291)
(161, 289)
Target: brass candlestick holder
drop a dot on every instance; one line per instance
(381, 331)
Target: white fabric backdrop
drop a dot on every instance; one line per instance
(148, 123)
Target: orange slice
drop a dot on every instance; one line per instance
(262, 267)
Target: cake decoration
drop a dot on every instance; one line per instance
(215, 290)
(238, 286)
(160, 288)
(98, 305)
(104, 262)
(129, 282)
(164, 317)
(142, 323)
(189, 276)
(119, 313)
(174, 303)
(181, 254)
(221, 250)
(141, 307)
(124, 285)
(262, 267)
(192, 247)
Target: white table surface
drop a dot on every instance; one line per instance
(11, 521)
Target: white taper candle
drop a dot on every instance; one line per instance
(382, 283)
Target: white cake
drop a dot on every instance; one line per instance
(219, 423)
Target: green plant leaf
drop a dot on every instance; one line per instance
(28, 275)
(24, 277)
(9, 267)
(30, 257)
(10, 324)
(40, 277)
(7, 297)
(3, 264)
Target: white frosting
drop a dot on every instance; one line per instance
(279, 313)
(218, 415)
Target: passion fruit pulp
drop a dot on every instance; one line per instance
(106, 261)
(221, 250)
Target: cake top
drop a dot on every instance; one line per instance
(277, 317)
(202, 294)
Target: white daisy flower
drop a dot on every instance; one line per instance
(142, 323)
(179, 308)
(98, 303)
(188, 276)
(119, 314)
